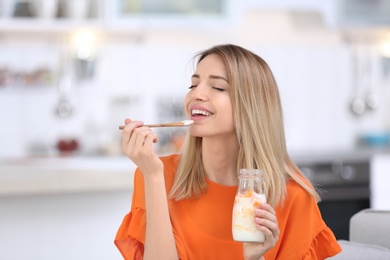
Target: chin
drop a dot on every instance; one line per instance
(195, 133)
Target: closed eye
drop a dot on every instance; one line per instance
(192, 86)
(219, 89)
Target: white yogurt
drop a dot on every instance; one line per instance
(244, 226)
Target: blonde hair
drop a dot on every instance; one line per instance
(258, 118)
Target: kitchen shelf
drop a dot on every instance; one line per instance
(20, 26)
(112, 18)
(121, 26)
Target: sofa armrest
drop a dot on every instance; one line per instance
(371, 227)
(359, 251)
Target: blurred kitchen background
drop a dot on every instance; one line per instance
(72, 70)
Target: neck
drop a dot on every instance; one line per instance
(220, 160)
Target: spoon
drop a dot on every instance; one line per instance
(173, 124)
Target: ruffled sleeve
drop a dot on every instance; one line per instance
(130, 237)
(303, 233)
(323, 246)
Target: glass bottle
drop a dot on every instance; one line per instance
(250, 195)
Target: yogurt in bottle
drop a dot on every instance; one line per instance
(249, 196)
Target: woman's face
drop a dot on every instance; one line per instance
(208, 100)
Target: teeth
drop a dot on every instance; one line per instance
(200, 112)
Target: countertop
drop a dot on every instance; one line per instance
(45, 175)
(347, 155)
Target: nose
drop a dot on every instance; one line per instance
(199, 92)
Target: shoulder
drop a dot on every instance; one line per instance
(297, 185)
(298, 204)
(170, 161)
(297, 199)
(295, 191)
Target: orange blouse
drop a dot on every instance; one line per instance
(202, 227)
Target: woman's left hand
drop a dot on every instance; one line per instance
(265, 218)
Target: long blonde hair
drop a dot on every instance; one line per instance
(259, 126)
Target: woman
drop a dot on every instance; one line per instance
(182, 204)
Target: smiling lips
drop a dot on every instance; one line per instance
(199, 112)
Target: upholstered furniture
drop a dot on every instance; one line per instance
(369, 237)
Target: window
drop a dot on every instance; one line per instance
(171, 7)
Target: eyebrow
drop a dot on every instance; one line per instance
(211, 77)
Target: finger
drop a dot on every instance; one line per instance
(269, 236)
(266, 211)
(265, 216)
(270, 224)
(139, 136)
(150, 139)
(268, 208)
(262, 222)
(128, 130)
(126, 133)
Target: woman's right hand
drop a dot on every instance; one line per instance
(137, 143)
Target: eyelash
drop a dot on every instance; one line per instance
(219, 89)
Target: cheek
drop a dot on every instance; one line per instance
(186, 101)
(228, 113)
(227, 106)
(228, 122)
